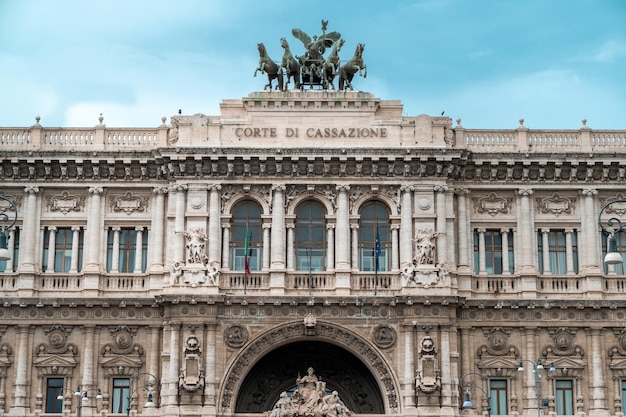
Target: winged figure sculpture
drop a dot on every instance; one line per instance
(316, 46)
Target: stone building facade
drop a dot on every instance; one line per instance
(200, 268)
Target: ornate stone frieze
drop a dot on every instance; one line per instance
(122, 356)
(556, 205)
(492, 205)
(57, 357)
(128, 203)
(66, 202)
(236, 336)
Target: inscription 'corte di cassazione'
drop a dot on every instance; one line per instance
(312, 132)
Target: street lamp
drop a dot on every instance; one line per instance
(536, 368)
(470, 386)
(614, 225)
(5, 227)
(150, 383)
(82, 395)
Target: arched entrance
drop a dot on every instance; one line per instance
(344, 360)
(277, 372)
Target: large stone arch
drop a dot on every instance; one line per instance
(325, 335)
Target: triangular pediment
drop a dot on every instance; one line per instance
(499, 362)
(618, 363)
(121, 365)
(564, 362)
(55, 360)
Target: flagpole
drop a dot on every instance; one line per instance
(376, 255)
(246, 265)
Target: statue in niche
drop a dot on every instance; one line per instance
(425, 247)
(196, 243)
(310, 399)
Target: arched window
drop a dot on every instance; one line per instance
(374, 237)
(310, 237)
(246, 237)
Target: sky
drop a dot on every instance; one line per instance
(488, 62)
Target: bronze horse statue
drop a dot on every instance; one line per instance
(267, 65)
(347, 71)
(290, 64)
(331, 65)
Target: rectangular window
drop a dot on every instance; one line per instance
(493, 252)
(127, 250)
(120, 400)
(63, 241)
(54, 388)
(498, 394)
(623, 395)
(564, 398)
(557, 250)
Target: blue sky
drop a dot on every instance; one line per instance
(489, 62)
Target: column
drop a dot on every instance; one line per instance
(115, 255)
(569, 251)
(75, 245)
(30, 227)
(406, 225)
(88, 361)
(93, 231)
(446, 389)
(395, 252)
(179, 223)
(330, 250)
(21, 373)
(138, 249)
(354, 227)
(505, 251)
(52, 234)
(342, 243)
(466, 352)
(278, 228)
(482, 264)
(214, 223)
(530, 334)
(409, 365)
(525, 226)
(155, 353)
(225, 246)
(442, 240)
(267, 228)
(209, 388)
(598, 406)
(157, 231)
(590, 232)
(290, 249)
(174, 364)
(545, 246)
(463, 228)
